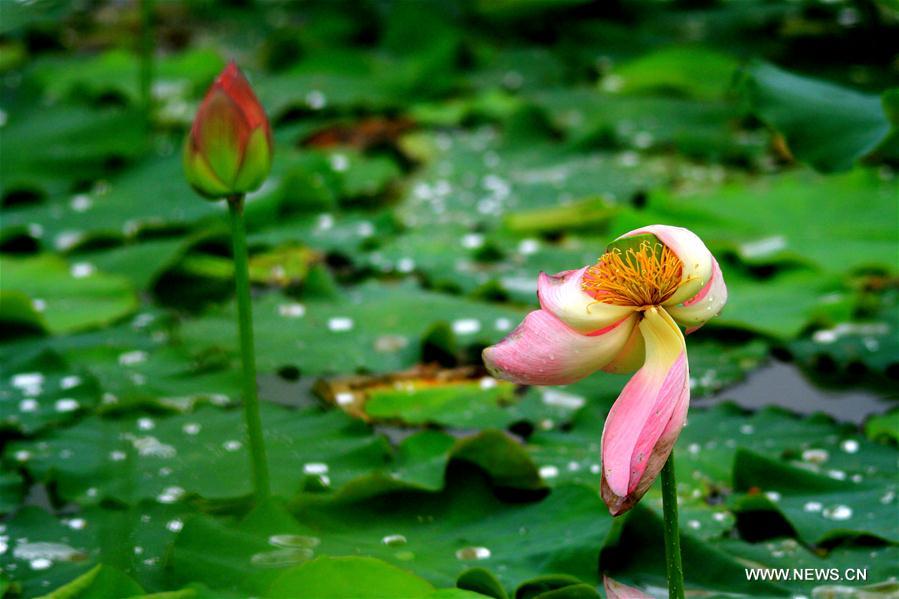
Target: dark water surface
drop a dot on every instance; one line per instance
(785, 385)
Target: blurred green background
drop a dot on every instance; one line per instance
(432, 158)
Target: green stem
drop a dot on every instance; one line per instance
(672, 534)
(147, 50)
(258, 460)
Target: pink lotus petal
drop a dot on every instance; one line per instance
(616, 590)
(545, 351)
(647, 417)
(689, 248)
(694, 312)
(561, 295)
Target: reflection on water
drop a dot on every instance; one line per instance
(784, 385)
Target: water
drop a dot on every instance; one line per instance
(784, 385)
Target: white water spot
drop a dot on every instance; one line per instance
(292, 310)
(66, 240)
(315, 468)
(365, 229)
(28, 405)
(22, 455)
(66, 404)
(340, 324)
(747, 429)
(344, 398)
(232, 445)
(839, 512)
(487, 382)
(38, 304)
(152, 447)
(472, 553)
(40, 563)
(405, 265)
(142, 320)
(561, 399)
(145, 424)
(325, 222)
(70, 381)
(867, 329)
(340, 162)
(719, 516)
(29, 383)
(472, 241)
(394, 540)
(191, 428)
(316, 100)
(174, 525)
(132, 357)
(628, 159)
(42, 555)
(612, 83)
(694, 524)
(836, 474)
(693, 448)
(763, 247)
(813, 506)
(80, 270)
(466, 326)
(849, 446)
(528, 246)
(76, 523)
(595, 469)
(815, 456)
(391, 343)
(81, 202)
(117, 455)
(170, 495)
(773, 496)
(549, 471)
(502, 324)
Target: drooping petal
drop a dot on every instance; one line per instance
(657, 458)
(616, 590)
(647, 417)
(694, 312)
(562, 295)
(545, 351)
(693, 254)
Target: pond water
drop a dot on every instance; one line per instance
(786, 385)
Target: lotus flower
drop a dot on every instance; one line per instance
(618, 315)
(229, 148)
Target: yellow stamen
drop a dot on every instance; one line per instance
(646, 276)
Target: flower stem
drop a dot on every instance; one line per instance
(258, 460)
(673, 564)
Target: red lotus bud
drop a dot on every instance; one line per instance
(229, 148)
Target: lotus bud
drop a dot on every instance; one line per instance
(229, 148)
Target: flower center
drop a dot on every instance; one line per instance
(643, 276)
